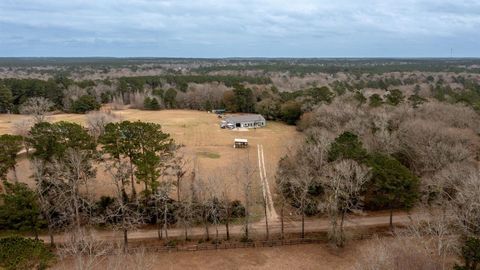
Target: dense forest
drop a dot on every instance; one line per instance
(280, 89)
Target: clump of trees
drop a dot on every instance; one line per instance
(85, 103)
(337, 177)
(65, 158)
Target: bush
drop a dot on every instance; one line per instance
(23, 253)
(395, 97)
(291, 111)
(470, 254)
(375, 100)
(238, 210)
(85, 104)
(151, 104)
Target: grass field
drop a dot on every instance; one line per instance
(207, 146)
(313, 256)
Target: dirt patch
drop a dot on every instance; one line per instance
(206, 154)
(313, 256)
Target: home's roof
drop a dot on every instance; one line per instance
(244, 118)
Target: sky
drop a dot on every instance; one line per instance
(240, 28)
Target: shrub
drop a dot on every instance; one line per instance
(470, 254)
(238, 210)
(375, 100)
(151, 104)
(85, 104)
(23, 253)
(291, 112)
(395, 97)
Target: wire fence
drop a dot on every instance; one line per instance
(153, 247)
(216, 246)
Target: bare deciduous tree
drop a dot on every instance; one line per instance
(22, 128)
(163, 204)
(244, 174)
(299, 175)
(429, 146)
(140, 260)
(96, 122)
(202, 198)
(467, 205)
(178, 168)
(123, 214)
(73, 172)
(185, 214)
(51, 198)
(37, 107)
(397, 253)
(215, 202)
(342, 188)
(435, 231)
(85, 249)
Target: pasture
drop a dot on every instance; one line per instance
(207, 148)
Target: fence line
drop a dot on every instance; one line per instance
(199, 247)
(254, 244)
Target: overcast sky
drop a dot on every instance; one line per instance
(240, 28)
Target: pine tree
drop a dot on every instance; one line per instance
(6, 99)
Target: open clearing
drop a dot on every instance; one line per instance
(312, 256)
(207, 147)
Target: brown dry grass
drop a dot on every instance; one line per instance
(205, 143)
(312, 256)
(318, 256)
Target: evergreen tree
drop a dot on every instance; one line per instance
(392, 184)
(151, 103)
(243, 99)
(85, 104)
(395, 97)
(375, 100)
(291, 111)
(10, 146)
(347, 146)
(170, 98)
(20, 209)
(51, 140)
(470, 254)
(6, 99)
(146, 147)
(321, 94)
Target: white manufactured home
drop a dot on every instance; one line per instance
(244, 121)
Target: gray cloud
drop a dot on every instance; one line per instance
(239, 27)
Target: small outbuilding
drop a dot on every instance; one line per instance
(244, 121)
(240, 143)
(218, 111)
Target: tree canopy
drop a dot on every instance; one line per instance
(51, 140)
(392, 185)
(20, 209)
(347, 146)
(10, 146)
